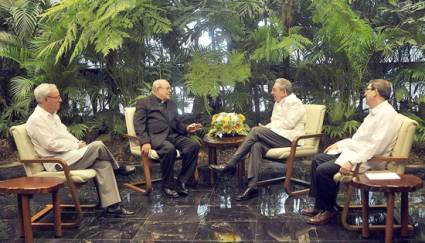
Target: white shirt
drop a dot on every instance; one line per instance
(376, 136)
(52, 139)
(288, 118)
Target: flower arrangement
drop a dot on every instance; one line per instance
(228, 124)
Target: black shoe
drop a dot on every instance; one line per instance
(249, 193)
(223, 168)
(170, 193)
(126, 170)
(192, 183)
(181, 189)
(118, 210)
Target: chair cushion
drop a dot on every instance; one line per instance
(78, 176)
(281, 153)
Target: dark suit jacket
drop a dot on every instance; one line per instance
(154, 123)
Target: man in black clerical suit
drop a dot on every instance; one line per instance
(158, 127)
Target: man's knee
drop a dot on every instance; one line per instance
(168, 148)
(257, 130)
(97, 144)
(325, 170)
(194, 147)
(257, 147)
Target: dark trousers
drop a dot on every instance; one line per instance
(189, 150)
(257, 143)
(323, 187)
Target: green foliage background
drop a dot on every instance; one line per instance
(104, 54)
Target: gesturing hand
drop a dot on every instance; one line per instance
(193, 127)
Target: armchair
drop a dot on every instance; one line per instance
(396, 162)
(136, 148)
(313, 128)
(34, 168)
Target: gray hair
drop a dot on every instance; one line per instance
(382, 86)
(42, 91)
(157, 84)
(284, 84)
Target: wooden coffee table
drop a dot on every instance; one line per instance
(25, 188)
(223, 143)
(404, 185)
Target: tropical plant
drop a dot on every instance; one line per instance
(208, 73)
(340, 121)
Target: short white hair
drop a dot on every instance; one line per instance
(157, 84)
(42, 91)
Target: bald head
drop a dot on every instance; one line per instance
(161, 89)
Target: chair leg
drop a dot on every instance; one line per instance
(145, 161)
(49, 207)
(147, 171)
(57, 214)
(196, 174)
(75, 200)
(345, 210)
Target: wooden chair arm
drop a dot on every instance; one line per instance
(46, 160)
(132, 137)
(294, 143)
(388, 158)
(308, 136)
(65, 166)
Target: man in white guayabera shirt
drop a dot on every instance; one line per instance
(52, 139)
(287, 122)
(375, 136)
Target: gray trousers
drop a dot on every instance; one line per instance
(257, 143)
(99, 158)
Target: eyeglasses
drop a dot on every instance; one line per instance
(368, 88)
(55, 97)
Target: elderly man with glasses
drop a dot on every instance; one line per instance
(375, 136)
(52, 139)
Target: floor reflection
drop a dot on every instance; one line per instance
(208, 214)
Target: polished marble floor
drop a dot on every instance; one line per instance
(208, 214)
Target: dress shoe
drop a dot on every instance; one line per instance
(223, 168)
(118, 210)
(126, 170)
(181, 189)
(249, 193)
(311, 211)
(192, 183)
(170, 192)
(321, 218)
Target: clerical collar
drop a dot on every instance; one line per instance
(159, 100)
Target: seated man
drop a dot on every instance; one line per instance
(287, 122)
(158, 127)
(375, 136)
(52, 139)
